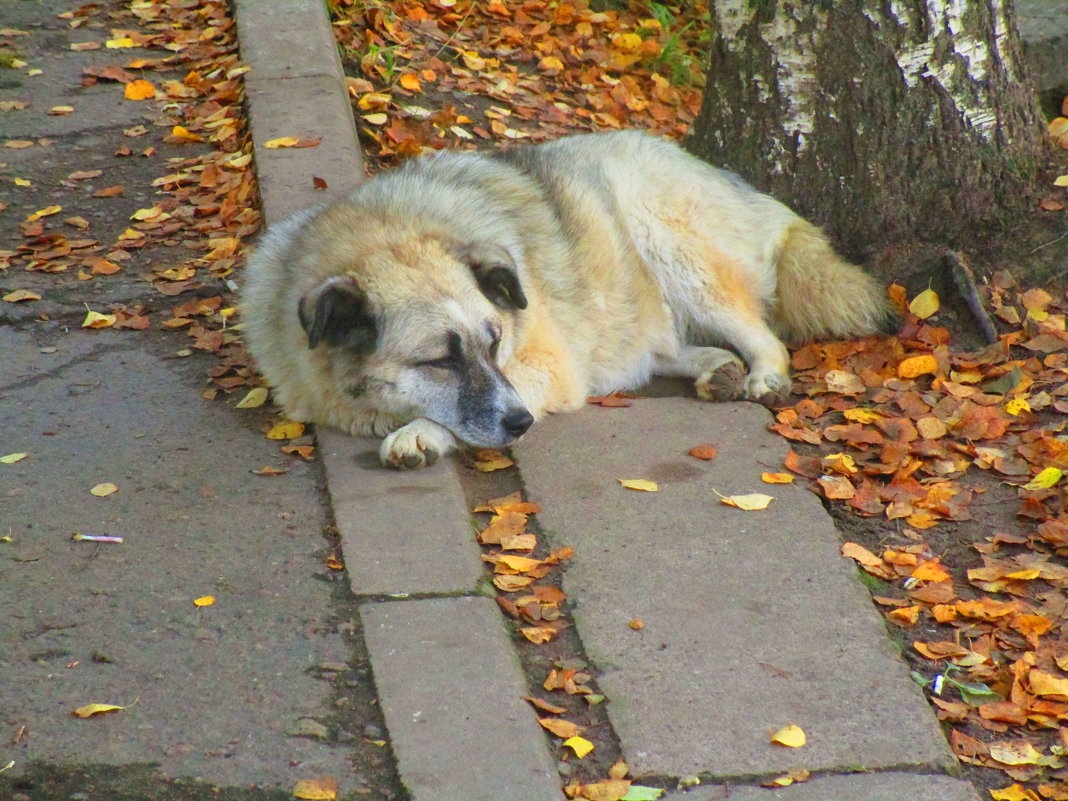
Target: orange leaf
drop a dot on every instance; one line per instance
(561, 728)
(139, 90)
(931, 570)
(917, 365)
(704, 452)
(538, 634)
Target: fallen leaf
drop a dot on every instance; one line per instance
(561, 728)
(103, 490)
(47, 211)
(95, 709)
(490, 465)
(1044, 480)
(1043, 683)
(754, 501)
(20, 295)
(704, 452)
(777, 478)
(1014, 792)
(255, 397)
(579, 745)
(321, 789)
(204, 600)
(11, 458)
(97, 320)
(640, 484)
(538, 634)
(637, 624)
(1018, 752)
(270, 470)
(925, 304)
(916, 366)
(139, 89)
(791, 736)
(287, 429)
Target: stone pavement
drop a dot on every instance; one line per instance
(752, 619)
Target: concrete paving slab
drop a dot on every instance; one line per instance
(752, 619)
(402, 532)
(853, 787)
(451, 691)
(217, 687)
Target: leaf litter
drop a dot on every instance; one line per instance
(950, 446)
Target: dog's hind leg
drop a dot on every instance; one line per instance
(718, 374)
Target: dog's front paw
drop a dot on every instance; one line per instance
(770, 389)
(723, 383)
(418, 444)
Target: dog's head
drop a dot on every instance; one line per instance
(422, 329)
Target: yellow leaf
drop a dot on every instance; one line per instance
(103, 490)
(550, 63)
(22, 182)
(538, 634)
(115, 44)
(95, 709)
(627, 42)
(777, 478)
(490, 465)
(1018, 752)
(519, 564)
(917, 365)
(579, 745)
(924, 304)
(1017, 405)
(287, 429)
(11, 458)
(255, 397)
(45, 212)
(373, 101)
(322, 789)
(60, 111)
(863, 415)
(1044, 480)
(640, 484)
(139, 90)
(1014, 792)
(378, 118)
(618, 770)
(281, 141)
(151, 213)
(20, 295)
(185, 135)
(839, 463)
(204, 600)
(791, 736)
(750, 503)
(1061, 180)
(795, 776)
(97, 320)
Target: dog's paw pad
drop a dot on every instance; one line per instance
(769, 390)
(725, 383)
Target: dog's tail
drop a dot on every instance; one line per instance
(820, 296)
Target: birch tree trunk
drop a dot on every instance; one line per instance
(882, 120)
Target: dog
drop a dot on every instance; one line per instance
(464, 296)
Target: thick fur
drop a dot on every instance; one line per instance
(462, 295)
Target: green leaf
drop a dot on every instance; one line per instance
(974, 693)
(639, 793)
(1007, 382)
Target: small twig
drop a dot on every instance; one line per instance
(964, 280)
(1053, 242)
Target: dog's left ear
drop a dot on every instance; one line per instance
(495, 273)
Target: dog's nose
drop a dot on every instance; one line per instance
(517, 422)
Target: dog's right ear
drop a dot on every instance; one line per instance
(338, 313)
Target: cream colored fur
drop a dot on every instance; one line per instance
(634, 258)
